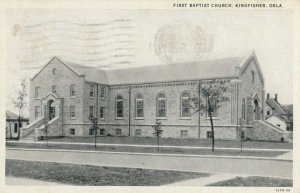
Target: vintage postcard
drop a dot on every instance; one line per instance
(169, 96)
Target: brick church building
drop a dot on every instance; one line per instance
(126, 102)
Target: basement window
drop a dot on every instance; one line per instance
(208, 134)
(72, 131)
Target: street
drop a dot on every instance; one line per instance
(255, 167)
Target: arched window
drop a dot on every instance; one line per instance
(161, 106)
(244, 109)
(252, 76)
(185, 105)
(119, 106)
(139, 106)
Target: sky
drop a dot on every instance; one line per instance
(123, 38)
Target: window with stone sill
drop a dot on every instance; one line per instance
(118, 132)
(37, 112)
(101, 112)
(92, 91)
(37, 92)
(119, 107)
(92, 112)
(102, 131)
(72, 90)
(185, 105)
(102, 92)
(72, 131)
(139, 107)
(72, 112)
(161, 106)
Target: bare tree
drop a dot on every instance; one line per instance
(157, 131)
(214, 95)
(20, 102)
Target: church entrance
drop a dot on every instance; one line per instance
(257, 112)
(51, 108)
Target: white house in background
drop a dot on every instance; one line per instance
(277, 115)
(12, 124)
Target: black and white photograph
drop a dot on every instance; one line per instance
(182, 95)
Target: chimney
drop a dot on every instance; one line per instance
(268, 96)
(276, 97)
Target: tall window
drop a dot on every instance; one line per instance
(214, 106)
(15, 127)
(185, 105)
(72, 112)
(139, 106)
(119, 107)
(252, 76)
(72, 90)
(92, 111)
(102, 92)
(244, 109)
(37, 92)
(161, 106)
(92, 91)
(101, 112)
(37, 111)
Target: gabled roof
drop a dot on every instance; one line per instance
(281, 117)
(288, 109)
(60, 61)
(205, 69)
(12, 116)
(276, 107)
(245, 63)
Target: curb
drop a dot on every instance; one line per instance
(140, 145)
(155, 154)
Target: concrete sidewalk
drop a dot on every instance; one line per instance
(205, 181)
(286, 156)
(16, 181)
(154, 146)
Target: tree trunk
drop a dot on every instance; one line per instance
(157, 142)
(212, 132)
(18, 137)
(212, 126)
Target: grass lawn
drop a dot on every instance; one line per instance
(179, 142)
(255, 181)
(85, 175)
(147, 150)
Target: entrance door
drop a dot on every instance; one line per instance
(51, 110)
(256, 110)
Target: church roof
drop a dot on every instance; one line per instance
(208, 69)
(201, 70)
(91, 74)
(221, 68)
